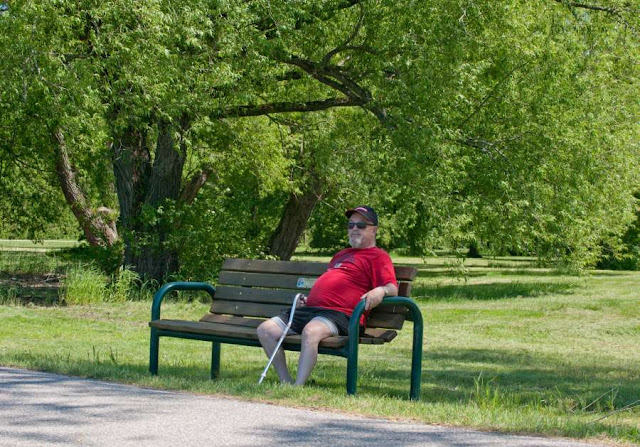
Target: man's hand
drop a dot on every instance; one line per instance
(373, 297)
(302, 301)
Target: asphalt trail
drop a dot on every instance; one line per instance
(42, 409)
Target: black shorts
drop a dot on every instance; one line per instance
(337, 321)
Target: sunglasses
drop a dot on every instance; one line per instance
(360, 225)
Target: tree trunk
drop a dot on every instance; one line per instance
(131, 169)
(157, 261)
(293, 223)
(140, 184)
(473, 252)
(98, 226)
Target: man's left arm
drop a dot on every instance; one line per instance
(374, 296)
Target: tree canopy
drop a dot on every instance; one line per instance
(510, 124)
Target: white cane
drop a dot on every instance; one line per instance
(284, 334)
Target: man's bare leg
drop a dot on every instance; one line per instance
(269, 334)
(312, 334)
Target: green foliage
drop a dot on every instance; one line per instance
(107, 259)
(623, 254)
(26, 262)
(511, 125)
(84, 285)
(327, 225)
(219, 225)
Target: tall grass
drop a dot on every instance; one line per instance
(84, 285)
(87, 285)
(9, 296)
(125, 286)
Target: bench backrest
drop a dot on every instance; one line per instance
(258, 288)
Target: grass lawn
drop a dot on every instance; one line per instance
(513, 348)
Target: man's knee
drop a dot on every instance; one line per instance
(269, 331)
(315, 331)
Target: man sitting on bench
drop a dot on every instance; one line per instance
(363, 272)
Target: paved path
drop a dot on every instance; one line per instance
(41, 409)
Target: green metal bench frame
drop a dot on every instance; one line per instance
(349, 351)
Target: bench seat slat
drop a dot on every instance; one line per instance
(247, 331)
(383, 334)
(283, 297)
(234, 331)
(206, 328)
(230, 319)
(377, 319)
(390, 309)
(404, 288)
(405, 273)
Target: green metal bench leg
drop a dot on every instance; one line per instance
(215, 360)
(416, 357)
(352, 371)
(153, 352)
(352, 353)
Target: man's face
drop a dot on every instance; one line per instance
(362, 238)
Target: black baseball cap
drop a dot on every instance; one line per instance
(366, 211)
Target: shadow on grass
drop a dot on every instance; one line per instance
(17, 294)
(486, 292)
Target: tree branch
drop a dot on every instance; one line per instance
(347, 44)
(585, 6)
(614, 11)
(99, 227)
(190, 190)
(335, 77)
(486, 147)
(491, 94)
(284, 107)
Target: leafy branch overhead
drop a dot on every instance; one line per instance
(234, 127)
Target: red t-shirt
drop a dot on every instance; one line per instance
(352, 272)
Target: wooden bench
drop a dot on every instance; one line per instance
(250, 291)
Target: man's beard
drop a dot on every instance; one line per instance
(355, 240)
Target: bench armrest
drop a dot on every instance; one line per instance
(169, 287)
(407, 302)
